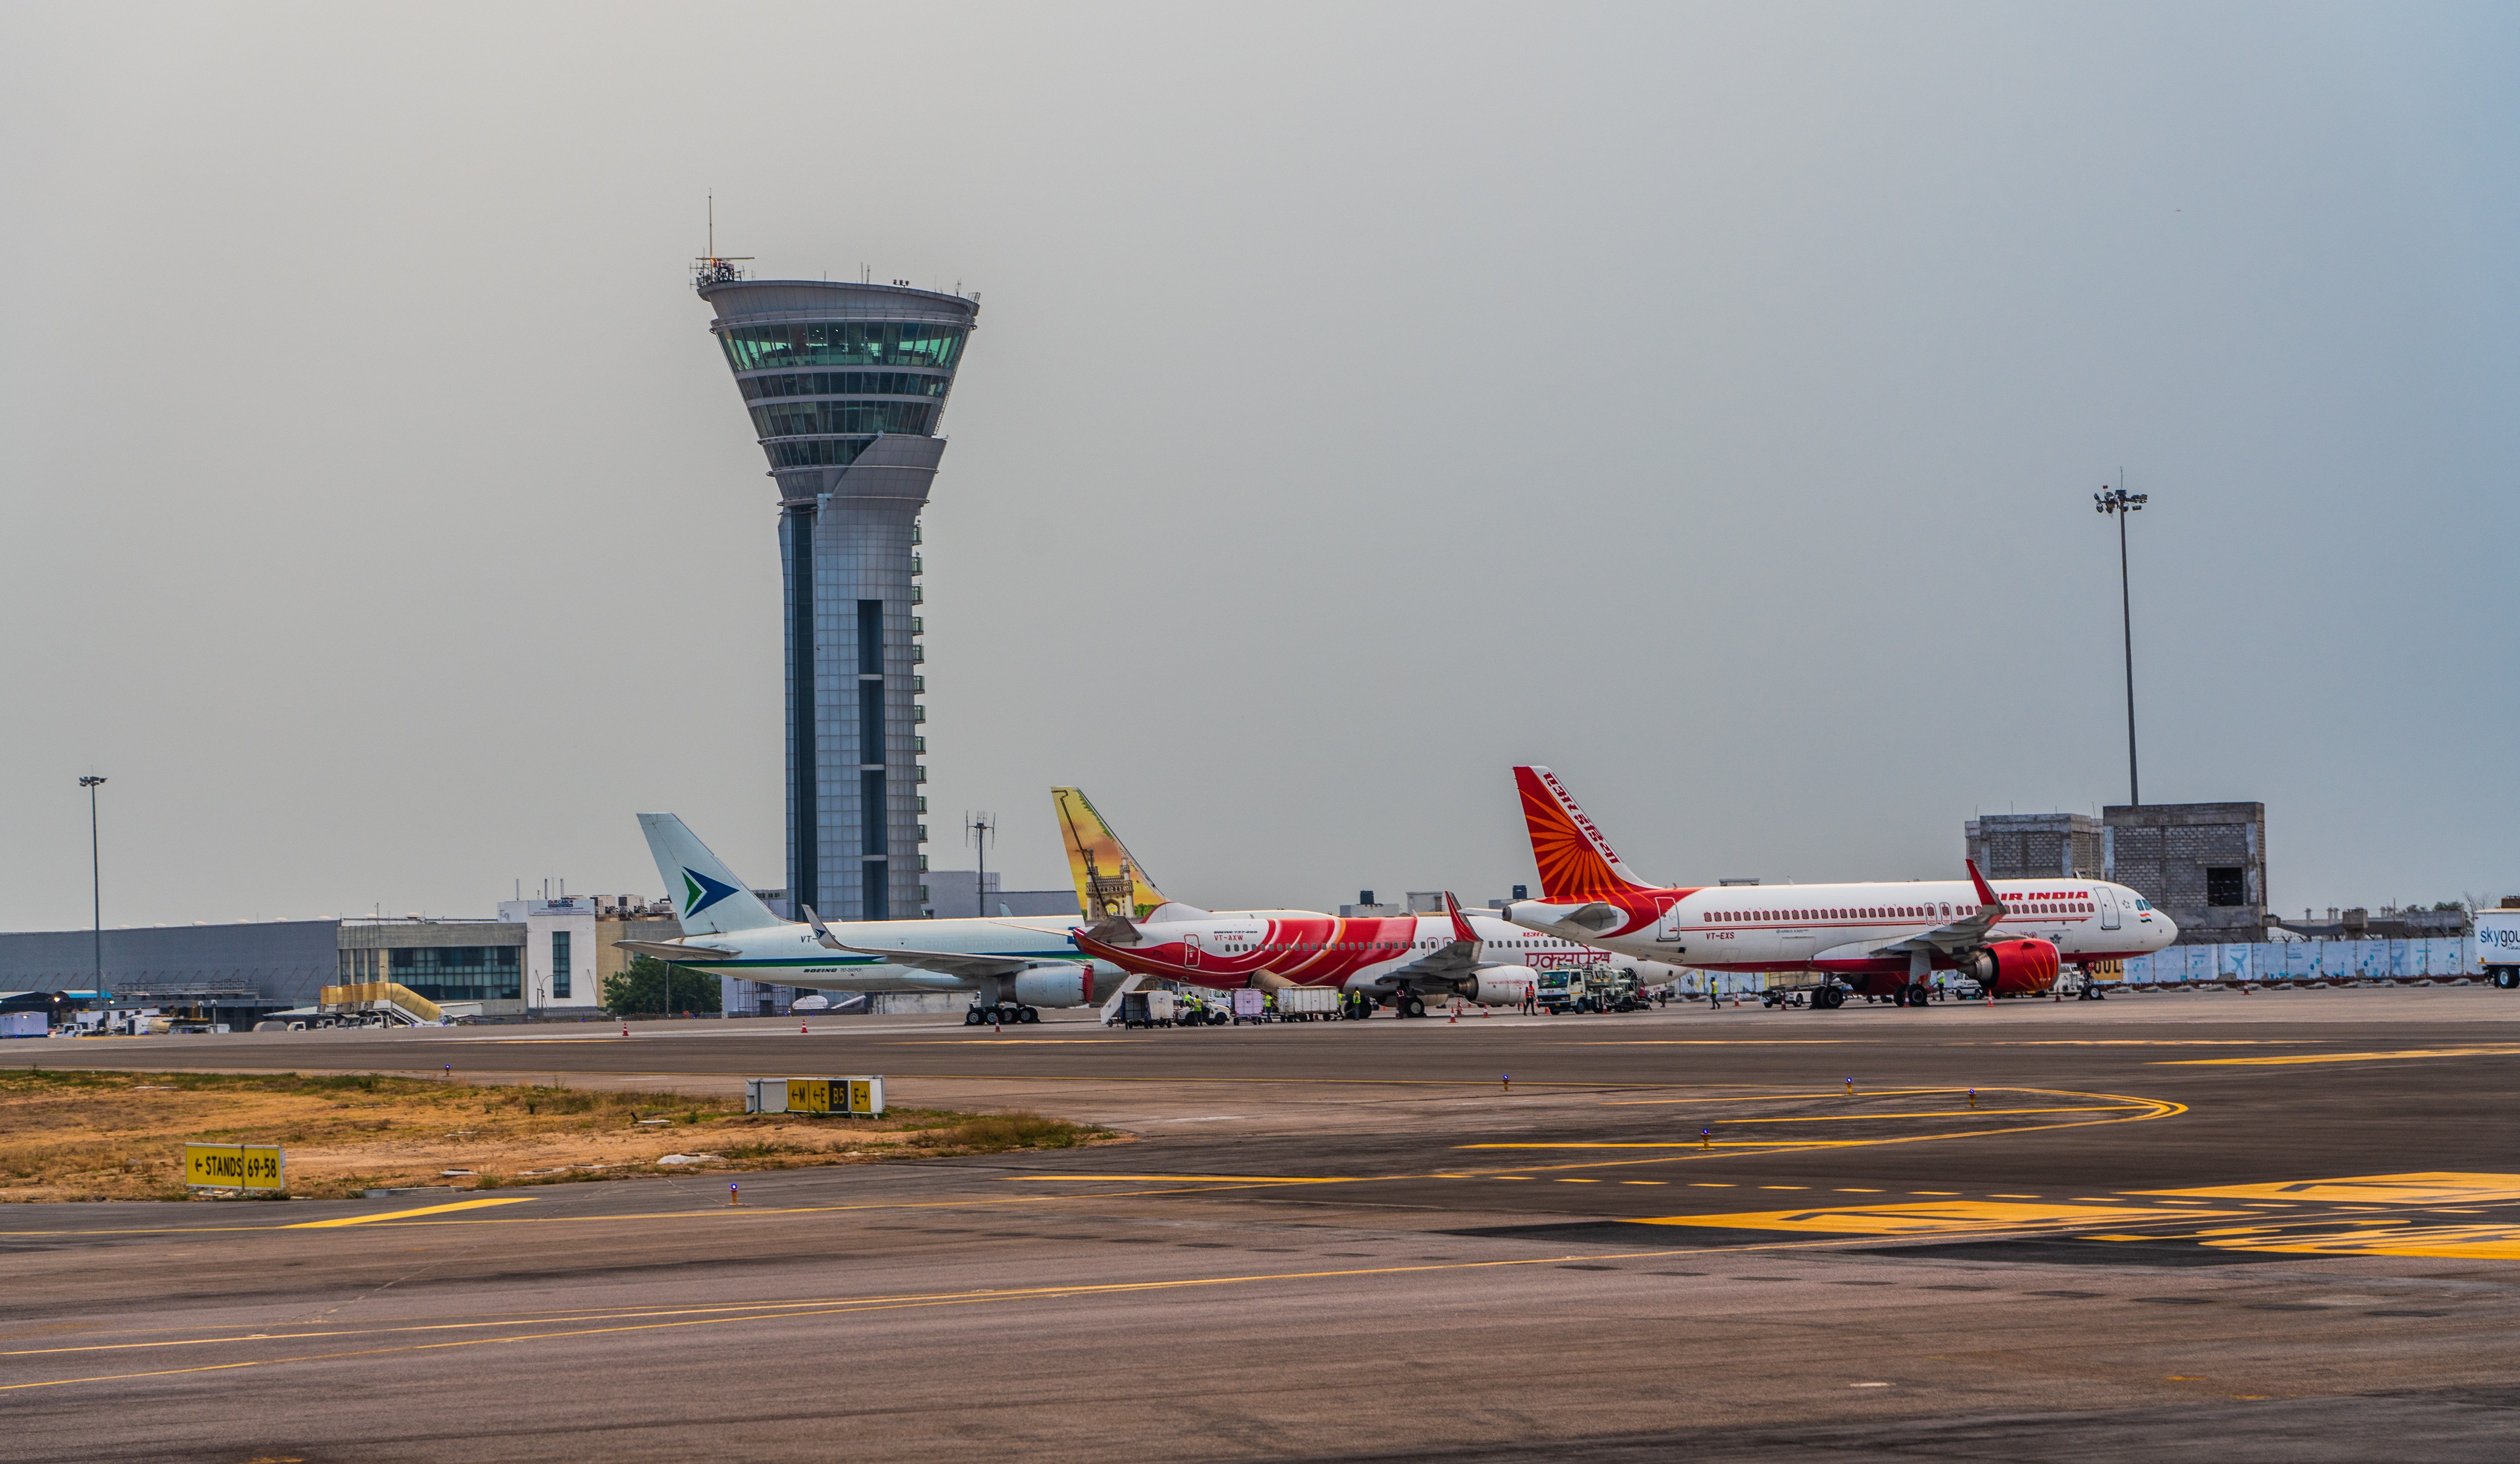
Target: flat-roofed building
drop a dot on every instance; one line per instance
(2035, 845)
(2202, 864)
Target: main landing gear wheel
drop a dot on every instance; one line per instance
(1411, 1006)
(1828, 1000)
(1028, 1014)
(974, 1018)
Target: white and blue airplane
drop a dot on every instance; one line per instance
(1011, 965)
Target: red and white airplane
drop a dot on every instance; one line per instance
(1876, 939)
(1401, 959)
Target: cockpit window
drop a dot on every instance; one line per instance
(2143, 904)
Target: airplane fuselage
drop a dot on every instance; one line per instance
(1372, 953)
(788, 955)
(1835, 928)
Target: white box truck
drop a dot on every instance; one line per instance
(1307, 1003)
(2498, 946)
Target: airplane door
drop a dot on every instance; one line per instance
(1190, 951)
(1667, 930)
(2108, 907)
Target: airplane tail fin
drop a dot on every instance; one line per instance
(1575, 861)
(707, 896)
(1108, 882)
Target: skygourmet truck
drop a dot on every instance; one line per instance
(2498, 946)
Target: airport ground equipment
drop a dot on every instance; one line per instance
(261, 1167)
(1250, 1006)
(860, 1097)
(385, 1003)
(1307, 1004)
(26, 1023)
(1149, 1009)
(2498, 947)
(1590, 988)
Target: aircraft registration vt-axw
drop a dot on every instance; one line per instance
(1010, 965)
(1405, 959)
(1876, 939)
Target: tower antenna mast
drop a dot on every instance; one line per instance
(976, 829)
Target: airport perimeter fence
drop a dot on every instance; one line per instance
(2265, 962)
(2438, 958)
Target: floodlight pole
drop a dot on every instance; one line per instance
(2120, 504)
(96, 882)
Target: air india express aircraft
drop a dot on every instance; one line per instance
(1399, 959)
(1875, 938)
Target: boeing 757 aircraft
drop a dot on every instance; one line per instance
(1876, 939)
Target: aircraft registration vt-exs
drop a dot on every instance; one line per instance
(1876, 939)
(1403, 959)
(1011, 965)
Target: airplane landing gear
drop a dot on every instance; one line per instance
(1411, 1006)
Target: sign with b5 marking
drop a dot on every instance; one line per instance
(246, 1167)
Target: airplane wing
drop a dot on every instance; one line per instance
(667, 950)
(944, 962)
(1456, 958)
(1963, 933)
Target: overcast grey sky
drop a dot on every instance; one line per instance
(1707, 401)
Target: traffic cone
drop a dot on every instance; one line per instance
(803, 1030)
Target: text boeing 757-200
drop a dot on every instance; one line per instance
(1875, 938)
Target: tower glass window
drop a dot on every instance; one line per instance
(559, 965)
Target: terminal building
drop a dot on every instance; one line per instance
(540, 959)
(846, 384)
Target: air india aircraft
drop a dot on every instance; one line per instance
(1401, 959)
(1875, 938)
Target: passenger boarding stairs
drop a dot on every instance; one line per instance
(397, 1004)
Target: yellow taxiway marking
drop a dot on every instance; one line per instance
(2434, 1242)
(1952, 1113)
(1917, 1220)
(2496, 1049)
(573, 1323)
(404, 1215)
(1204, 1179)
(2428, 1187)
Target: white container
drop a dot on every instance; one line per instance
(1308, 1002)
(2498, 946)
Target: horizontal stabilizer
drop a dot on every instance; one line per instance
(669, 950)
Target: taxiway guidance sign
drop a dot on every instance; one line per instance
(246, 1167)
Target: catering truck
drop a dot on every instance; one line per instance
(2498, 946)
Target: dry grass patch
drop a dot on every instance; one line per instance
(121, 1136)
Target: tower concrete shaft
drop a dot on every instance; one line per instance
(846, 384)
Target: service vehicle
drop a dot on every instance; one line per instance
(1250, 1006)
(2498, 946)
(1149, 1009)
(1307, 1003)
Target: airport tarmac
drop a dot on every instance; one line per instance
(2236, 1227)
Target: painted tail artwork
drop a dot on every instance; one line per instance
(1108, 882)
(1575, 861)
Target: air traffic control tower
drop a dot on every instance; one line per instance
(846, 384)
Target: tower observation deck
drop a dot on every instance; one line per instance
(846, 384)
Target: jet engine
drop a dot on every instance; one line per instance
(1505, 986)
(1067, 985)
(2012, 966)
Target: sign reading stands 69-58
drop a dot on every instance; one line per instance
(245, 1166)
